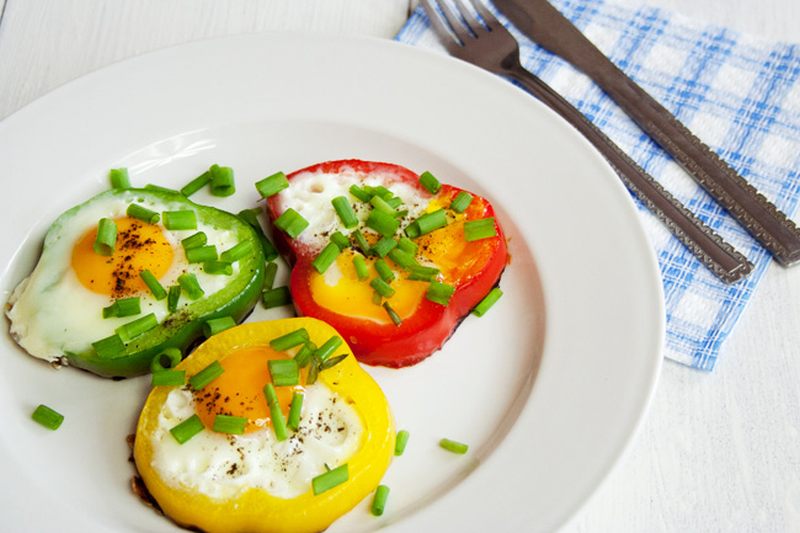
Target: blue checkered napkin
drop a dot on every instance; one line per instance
(739, 95)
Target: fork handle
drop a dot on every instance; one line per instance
(718, 256)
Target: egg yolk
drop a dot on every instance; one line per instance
(139, 246)
(239, 391)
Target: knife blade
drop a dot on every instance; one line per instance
(546, 26)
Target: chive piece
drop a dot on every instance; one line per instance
(230, 425)
(384, 271)
(47, 417)
(330, 479)
(430, 182)
(395, 202)
(295, 409)
(269, 275)
(159, 188)
(180, 220)
(272, 185)
(439, 293)
(187, 429)
(158, 291)
(380, 190)
(313, 371)
(392, 314)
(361, 242)
(382, 288)
(379, 500)
(422, 273)
(140, 212)
(123, 307)
(383, 223)
(304, 355)
(384, 246)
(488, 301)
(106, 237)
(168, 378)
(194, 241)
(217, 325)
(218, 267)
(412, 230)
(284, 372)
(250, 216)
(238, 251)
(326, 258)
(196, 184)
(360, 193)
(166, 360)
(201, 254)
(381, 205)
(275, 413)
(222, 182)
(131, 330)
(403, 259)
(407, 245)
(461, 202)
(291, 222)
(109, 347)
(290, 340)
(338, 238)
(361, 267)
(400, 441)
(206, 376)
(482, 228)
(188, 282)
(431, 221)
(173, 297)
(328, 347)
(333, 361)
(119, 178)
(453, 446)
(276, 297)
(345, 211)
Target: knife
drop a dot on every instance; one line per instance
(546, 26)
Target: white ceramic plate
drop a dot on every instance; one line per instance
(548, 388)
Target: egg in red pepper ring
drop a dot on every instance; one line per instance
(457, 253)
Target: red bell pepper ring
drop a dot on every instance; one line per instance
(472, 268)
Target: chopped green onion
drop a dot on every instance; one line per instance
(291, 222)
(431, 221)
(439, 293)
(167, 359)
(295, 409)
(275, 413)
(403, 259)
(304, 355)
(461, 202)
(284, 372)
(407, 245)
(290, 340)
(330, 479)
(47, 417)
(109, 347)
(479, 229)
(412, 230)
(206, 376)
(400, 441)
(487, 302)
(119, 178)
(382, 222)
(270, 272)
(361, 267)
(276, 297)
(272, 185)
(360, 193)
(131, 330)
(222, 182)
(173, 297)
(361, 242)
(187, 429)
(217, 325)
(159, 188)
(123, 307)
(238, 251)
(250, 216)
(231, 425)
(194, 241)
(106, 237)
(328, 347)
(190, 285)
(332, 362)
(326, 257)
(345, 211)
(380, 204)
(201, 254)
(379, 500)
(394, 202)
(430, 182)
(168, 378)
(196, 184)
(384, 246)
(382, 288)
(422, 273)
(392, 314)
(313, 370)
(384, 271)
(180, 220)
(218, 267)
(380, 190)
(338, 238)
(453, 446)
(140, 212)
(158, 291)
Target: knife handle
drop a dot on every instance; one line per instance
(721, 258)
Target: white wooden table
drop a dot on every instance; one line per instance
(718, 452)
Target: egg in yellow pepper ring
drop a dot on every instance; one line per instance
(253, 481)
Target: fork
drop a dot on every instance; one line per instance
(486, 43)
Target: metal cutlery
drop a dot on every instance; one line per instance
(487, 44)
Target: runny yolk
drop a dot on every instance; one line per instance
(139, 246)
(239, 391)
